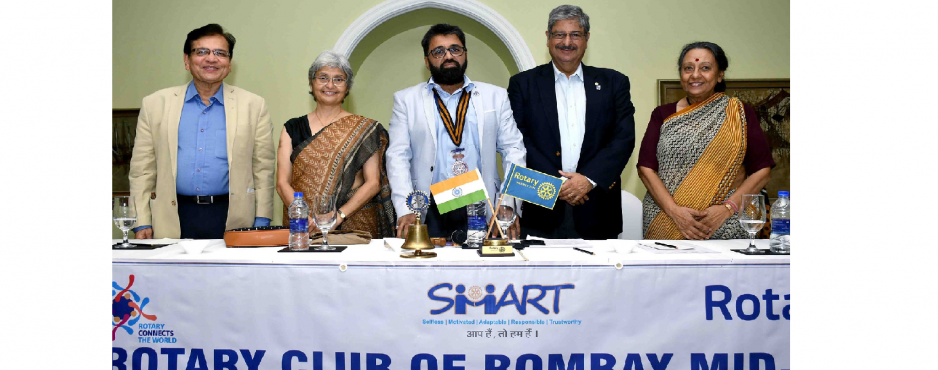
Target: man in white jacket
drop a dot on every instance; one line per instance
(445, 127)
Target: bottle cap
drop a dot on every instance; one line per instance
(298, 194)
(783, 193)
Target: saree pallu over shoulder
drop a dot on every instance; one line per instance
(327, 163)
(700, 153)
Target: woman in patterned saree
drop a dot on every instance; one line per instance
(701, 154)
(331, 151)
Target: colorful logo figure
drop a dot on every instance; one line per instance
(127, 308)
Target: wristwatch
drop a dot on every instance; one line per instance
(341, 214)
(727, 205)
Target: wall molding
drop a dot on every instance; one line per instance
(479, 12)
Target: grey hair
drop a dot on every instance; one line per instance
(333, 59)
(568, 12)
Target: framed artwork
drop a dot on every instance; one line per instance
(770, 99)
(124, 129)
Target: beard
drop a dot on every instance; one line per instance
(449, 75)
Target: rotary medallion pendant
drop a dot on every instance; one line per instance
(459, 167)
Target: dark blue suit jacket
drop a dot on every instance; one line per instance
(607, 144)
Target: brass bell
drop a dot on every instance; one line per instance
(418, 240)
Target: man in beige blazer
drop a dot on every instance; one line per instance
(203, 159)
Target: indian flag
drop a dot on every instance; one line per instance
(459, 191)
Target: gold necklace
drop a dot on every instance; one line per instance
(323, 123)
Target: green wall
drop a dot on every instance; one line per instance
(278, 40)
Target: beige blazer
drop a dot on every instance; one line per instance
(250, 159)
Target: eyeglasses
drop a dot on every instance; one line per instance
(338, 81)
(576, 36)
(218, 52)
(440, 52)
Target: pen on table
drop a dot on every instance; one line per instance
(585, 251)
(666, 245)
(522, 255)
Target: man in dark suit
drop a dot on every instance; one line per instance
(578, 123)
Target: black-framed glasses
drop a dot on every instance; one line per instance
(576, 36)
(218, 52)
(440, 51)
(338, 81)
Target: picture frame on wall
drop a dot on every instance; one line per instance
(124, 130)
(770, 99)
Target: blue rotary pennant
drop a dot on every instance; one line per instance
(532, 186)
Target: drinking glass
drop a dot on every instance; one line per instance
(125, 216)
(752, 217)
(322, 206)
(506, 216)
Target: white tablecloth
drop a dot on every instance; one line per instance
(368, 308)
(376, 251)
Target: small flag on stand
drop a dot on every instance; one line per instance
(532, 186)
(459, 191)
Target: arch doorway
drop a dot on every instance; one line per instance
(472, 9)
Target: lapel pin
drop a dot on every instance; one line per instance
(597, 86)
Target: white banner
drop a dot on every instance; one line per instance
(448, 317)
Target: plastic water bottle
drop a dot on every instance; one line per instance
(780, 239)
(476, 232)
(299, 223)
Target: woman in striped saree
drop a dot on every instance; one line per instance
(700, 154)
(331, 151)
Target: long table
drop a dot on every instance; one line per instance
(367, 308)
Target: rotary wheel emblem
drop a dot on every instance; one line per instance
(546, 190)
(475, 293)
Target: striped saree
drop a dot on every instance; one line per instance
(700, 153)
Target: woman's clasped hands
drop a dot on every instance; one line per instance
(699, 225)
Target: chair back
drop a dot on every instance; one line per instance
(631, 217)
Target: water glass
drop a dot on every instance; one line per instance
(322, 207)
(506, 217)
(124, 216)
(752, 217)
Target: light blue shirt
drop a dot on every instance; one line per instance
(571, 114)
(202, 153)
(443, 165)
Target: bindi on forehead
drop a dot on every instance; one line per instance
(698, 61)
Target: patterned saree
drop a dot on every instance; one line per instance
(327, 163)
(700, 153)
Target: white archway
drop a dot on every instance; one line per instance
(479, 12)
